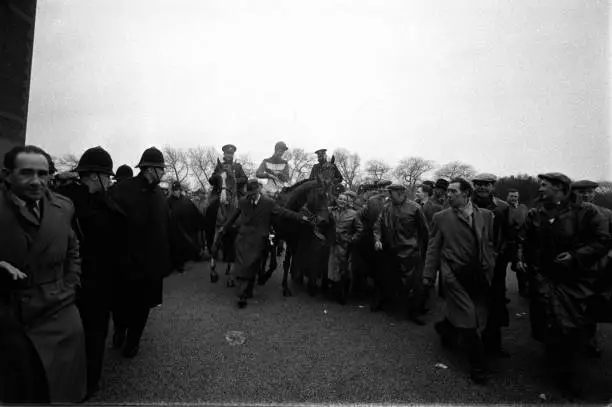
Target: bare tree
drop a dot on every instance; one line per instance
(177, 164)
(455, 169)
(300, 164)
(348, 164)
(66, 163)
(377, 169)
(248, 165)
(410, 170)
(202, 162)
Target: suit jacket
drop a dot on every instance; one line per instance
(47, 251)
(430, 209)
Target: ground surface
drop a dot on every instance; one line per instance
(304, 349)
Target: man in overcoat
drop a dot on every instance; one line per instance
(401, 233)
(252, 220)
(560, 245)
(484, 185)
(96, 222)
(461, 247)
(517, 212)
(145, 251)
(37, 240)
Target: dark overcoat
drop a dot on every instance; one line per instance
(145, 242)
(465, 257)
(253, 229)
(47, 251)
(559, 292)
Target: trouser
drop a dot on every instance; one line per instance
(472, 342)
(562, 354)
(498, 310)
(402, 281)
(131, 321)
(245, 287)
(95, 316)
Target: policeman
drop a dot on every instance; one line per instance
(124, 172)
(145, 253)
(96, 222)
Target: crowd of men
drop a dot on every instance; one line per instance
(76, 253)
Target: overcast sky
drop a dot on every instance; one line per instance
(507, 86)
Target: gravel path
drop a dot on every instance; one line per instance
(304, 349)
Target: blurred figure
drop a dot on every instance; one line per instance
(123, 172)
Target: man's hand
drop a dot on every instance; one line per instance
(306, 221)
(378, 245)
(13, 271)
(520, 267)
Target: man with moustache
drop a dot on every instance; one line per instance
(461, 249)
(559, 246)
(483, 197)
(97, 221)
(40, 271)
(145, 251)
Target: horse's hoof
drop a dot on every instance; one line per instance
(214, 278)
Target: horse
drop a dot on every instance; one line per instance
(307, 250)
(223, 203)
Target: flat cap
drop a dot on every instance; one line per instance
(281, 145)
(485, 177)
(441, 183)
(229, 148)
(396, 187)
(556, 177)
(584, 184)
(321, 151)
(429, 183)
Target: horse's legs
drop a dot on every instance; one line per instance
(230, 280)
(214, 276)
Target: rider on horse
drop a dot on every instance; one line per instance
(275, 169)
(228, 160)
(322, 156)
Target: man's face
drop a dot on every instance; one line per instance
(228, 157)
(439, 192)
(483, 189)
(279, 152)
(586, 195)
(548, 192)
(342, 201)
(99, 181)
(322, 157)
(396, 196)
(513, 198)
(30, 177)
(176, 193)
(456, 197)
(420, 195)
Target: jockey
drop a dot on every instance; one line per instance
(322, 156)
(275, 169)
(228, 158)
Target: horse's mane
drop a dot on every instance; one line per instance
(298, 184)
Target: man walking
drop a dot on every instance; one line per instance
(145, 252)
(461, 248)
(401, 232)
(97, 222)
(252, 220)
(39, 247)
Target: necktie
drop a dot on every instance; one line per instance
(33, 208)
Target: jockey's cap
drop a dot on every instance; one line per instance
(281, 146)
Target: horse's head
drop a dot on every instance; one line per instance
(228, 181)
(327, 178)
